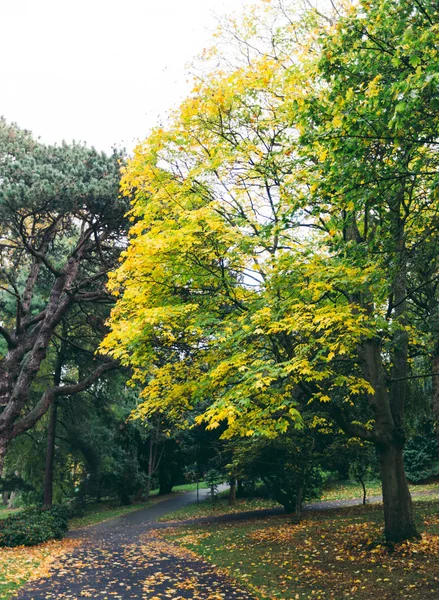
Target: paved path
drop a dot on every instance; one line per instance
(123, 559)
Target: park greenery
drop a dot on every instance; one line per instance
(251, 298)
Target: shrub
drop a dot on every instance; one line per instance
(420, 457)
(34, 526)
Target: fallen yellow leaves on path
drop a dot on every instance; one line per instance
(18, 565)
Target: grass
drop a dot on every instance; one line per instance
(99, 512)
(5, 512)
(338, 491)
(220, 507)
(102, 511)
(351, 490)
(325, 556)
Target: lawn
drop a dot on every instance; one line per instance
(98, 512)
(5, 512)
(220, 507)
(350, 490)
(325, 556)
(337, 491)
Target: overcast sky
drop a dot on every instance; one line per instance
(100, 71)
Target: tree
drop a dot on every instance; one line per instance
(288, 466)
(272, 260)
(62, 228)
(371, 136)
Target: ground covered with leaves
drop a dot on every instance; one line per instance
(327, 555)
(19, 565)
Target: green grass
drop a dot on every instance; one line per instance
(185, 487)
(98, 512)
(5, 512)
(220, 507)
(350, 490)
(324, 556)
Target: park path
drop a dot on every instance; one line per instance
(123, 559)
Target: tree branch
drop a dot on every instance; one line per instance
(62, 390)
(10, 339)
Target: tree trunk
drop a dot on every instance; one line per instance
(398, 511)
(51, 432)
(435, 392)
(232, 493)
(361, 480)
(4, 443)
(50, 456)
(147, 489)
(298, 506)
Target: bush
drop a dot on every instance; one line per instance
(34, 526)
(420, 457)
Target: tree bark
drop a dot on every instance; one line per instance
(388, 400)
(232, 493)
(4, 443)
(51, 433)
(298, 503)
(364, 489)
(435, 392)
(50, 456)
(398, 512)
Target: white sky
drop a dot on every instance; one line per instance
(100, 71)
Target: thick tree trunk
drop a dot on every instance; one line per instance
(398, 512)
(50, 456)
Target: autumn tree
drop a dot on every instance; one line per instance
(272, 260)
(371, 133)
(62, 229)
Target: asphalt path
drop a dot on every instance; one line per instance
(123, 559)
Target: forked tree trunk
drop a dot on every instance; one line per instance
(398, 511)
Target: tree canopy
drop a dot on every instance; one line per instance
(62, 228)
(279, 219)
